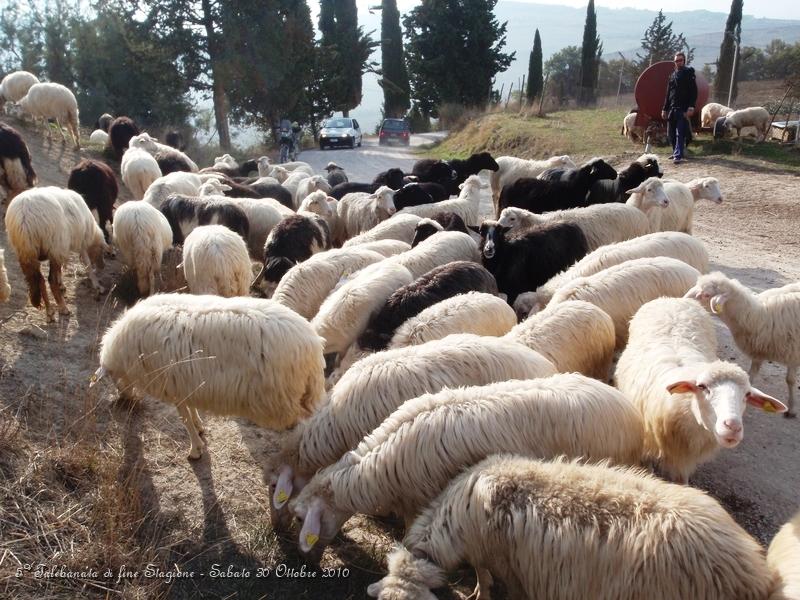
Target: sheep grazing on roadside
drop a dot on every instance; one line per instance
(399, 227)
(754, 116)
(673, 244)
(103, 122)
(711, 112)
(142, 234)
(437, 250)
(622, 289)
(16, 170)
(567, 189)
(184, 213)
(632, 131)
(692, 403)
(521, 263)
(358, 212)
(478, 313)
(5, 288)
(291, 241)
(238, 356)
(564, 414)
(682, 196)
(512, 168)
(466, 206)
(96, 182)
(215, 261)
(442, 221)
(579, 531)
(53, 101)
(765, 326)
(139, 169)
(15, 86)
(573, 335)
(645, 196)
(169, 155)
(49, 223)
(616, 190)
(120, 132)
(336, 174)
(373, 388)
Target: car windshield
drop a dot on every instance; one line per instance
(395, 125)
(338, 123)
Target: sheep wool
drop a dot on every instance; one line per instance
(142, 234)
(139, 169)
(437, 250)
(399, 227)
(5, 288)
(215, 261)
(242, 357)
(53, 101)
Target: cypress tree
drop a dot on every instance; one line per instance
(590, 51)
(535, 80)
(727, 50)
(396, 95)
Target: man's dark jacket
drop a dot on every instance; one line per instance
(681, 90)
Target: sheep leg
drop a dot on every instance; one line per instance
(54, 277)
(196, 451)
(37, 288)
(483, 589)
(755, 367)
(98, 289)
(61, 129)
(791, 379)
(197, 422)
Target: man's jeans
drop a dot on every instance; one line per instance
(677, 131)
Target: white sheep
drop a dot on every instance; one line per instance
(98, 136)
(573, 335)
(15, 85)
(674, 244)
(439, 249)
(410, 458)
(512, 168)
(292, 182)
(5, 288)
(765, 326)
(151, 145)
(473, 312)
(263, 214)
(49, 223)
(466, 206)
(564, 530)
(142, 234)
(305, 286)
(691, 402)
(711, 112)
(682, 196)
(620, 290)
(358, 212)
(53, 101)
(385, 248)
(754, 116)
(318, 202)
(309, 185)
(293, 166)
(376, 386)
(215, 261)
(399, 227)
(632, 131)
(238, 356)
(782, 559)
(647, 195)
(139, 170)
(178, 182)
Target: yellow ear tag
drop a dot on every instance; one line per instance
(282, 496)
(311, 539)
(768, 407)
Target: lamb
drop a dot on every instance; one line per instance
(673, 244)
(512, 168)
(179, 182)
(142, 234)
(692, 403)
(682, 196)
(632, 131)
(376, 386)
(53, 101)
(16, 170)
(238, 356)
(309, 185)
(336, 174)
(443, 221)
(754, 116)
(215, 261)
(359, 212)
(439, 249)
(399, 227)
(120, 132)
(466, 206)
(616, 190)
(184, 213)
(474, 312)
(573, 335)
(622, 289)
(522, 263)
(15, 86)
(711, 112)
(139, 169)
(99, 137)
(564, 414)
(764, 326)
(151, 145)
(49, 223)
(5, 288)
(566, 530)
(96, 182)
(645, 196)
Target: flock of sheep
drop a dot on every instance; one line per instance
(446, 368)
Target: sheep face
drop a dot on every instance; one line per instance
(600, 169)
(319, 183)
(706, 188)
(320, 520)
(384, 201)
(283, 484)
(720, 393)
(652, 194)
(561, 161)
(317, 202)
(712, 291)
(425, 229)
(145, 142)
(408, 578)
(491, 236)
(510, 218)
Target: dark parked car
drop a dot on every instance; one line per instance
(340, 131)
(394, 130)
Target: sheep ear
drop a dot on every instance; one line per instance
(374, 589)
(765, 402)
(682, 387)
(693, 293)
(637, 190)
(283, 488)
(309, 534)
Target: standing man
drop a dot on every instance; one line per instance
(679, 105)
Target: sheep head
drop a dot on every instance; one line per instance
(383, 201)
(145, 142)
(472, 183)
(706, 188)
(317, 202)
(713, 291)
(648, 194)
(515, 218)
(409, 578)
(425, 228)
(315, 507)
(319, 183)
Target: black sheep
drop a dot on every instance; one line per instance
(95, 181)
(436, 171)
(471, 166)
(540, 195)
(442, 221)
(203, 210)
(248, 166)
(636, 173)
(120, 132)
(336, 174)
(438, 284)
(170, 162)
(338, 191)
(393, 177)
(523, 262)
(414, 194)
(563, 174)
(270, 190)
(16, 170)
(175, 139)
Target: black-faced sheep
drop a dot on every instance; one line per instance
(443, 221)
(184, 213)
(96, 182)
(436, 171)
(471, 166)
(120, 132)
(606, 190)
(16, 171)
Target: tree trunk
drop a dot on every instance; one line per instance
(346, 113)
(220, 100)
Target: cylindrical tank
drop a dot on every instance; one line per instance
(651, 91)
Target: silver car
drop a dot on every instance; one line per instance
(340, 131)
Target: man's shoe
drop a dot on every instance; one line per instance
(676, 161)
